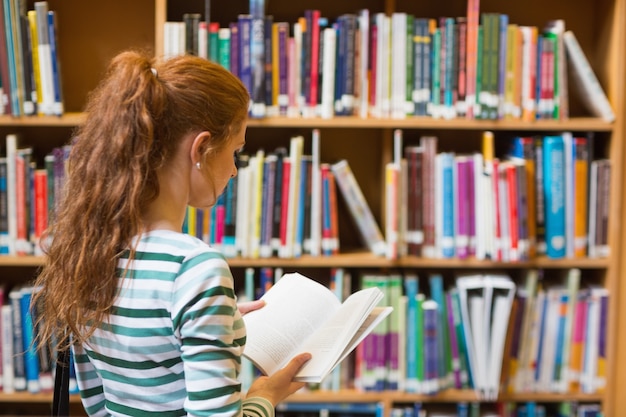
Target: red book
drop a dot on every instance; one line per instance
(285, 204)
(513, 215)
(315, 57)
(20, 198)
(429, 143)
(496, 210)
(41, 204)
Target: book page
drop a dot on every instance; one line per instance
(295, 307)
(328, 343)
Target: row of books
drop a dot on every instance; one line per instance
(560, 338)
(394, 66)
(30, 71)
(548, 195)
(480, 332)
(500, 409)
(284, 203)
(24, 367)
(29, 194)
(460, 409)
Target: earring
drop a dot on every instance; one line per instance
(198, 165)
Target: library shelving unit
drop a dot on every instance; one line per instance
(90, 33)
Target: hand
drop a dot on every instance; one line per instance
(249, 306)
(279, 386)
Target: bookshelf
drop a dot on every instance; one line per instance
(599, 27)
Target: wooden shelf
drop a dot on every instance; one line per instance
(450, 395)
(351, 122)
(367, 260)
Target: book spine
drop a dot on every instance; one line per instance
(283, 68)
(554, 195)
(415, 232)
(327, 105)
(462, 233)
(392, 184)
(454, 345)
(235, 45)
(581, 195)
(6, 338)
(285, 206)
(244, 51)
(31, 359)
(257, 61)
(432, 349)
(597, 100)
(5, 78)
(394, 373)
(411, 289)
(358, 207)
(269, 189)
(4, 215)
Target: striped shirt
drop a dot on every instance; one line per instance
(173, 342)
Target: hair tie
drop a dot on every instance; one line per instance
(154, 71)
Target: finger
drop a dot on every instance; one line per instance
(249, 306)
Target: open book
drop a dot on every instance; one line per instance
(485, 302)
(302, 315)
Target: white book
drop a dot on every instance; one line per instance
(290, 249)
(46, 105)
(243, 207)
(486, 302)
(398, 65)
(11, 181)
(358, 207)
(314, 247)
(591, 91)
(302, 315)
(6, 340)
(328, 81)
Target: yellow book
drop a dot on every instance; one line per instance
(34, 40)
(509, 72)
(581, 169)
(275, 64)
(191, 220)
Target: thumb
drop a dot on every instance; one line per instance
(296, 363)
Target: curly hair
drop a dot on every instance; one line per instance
(135, 120)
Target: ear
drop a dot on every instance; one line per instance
(198, 147)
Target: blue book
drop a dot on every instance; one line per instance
(303, 195)
(267, 210)
(342, 408)
(437, 293)
(245, 62)
(4, 221)
(229, 247)
(411, 289)
(31, 359)
(19, 370)
(445, 164)
(257, 58)
(554, 195)
(56, 67)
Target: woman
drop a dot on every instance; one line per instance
(152, 312)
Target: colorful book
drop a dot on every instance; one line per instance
(358, 207)
(554, 195)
